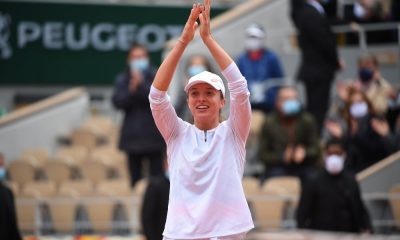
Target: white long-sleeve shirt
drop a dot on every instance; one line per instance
(206, 167)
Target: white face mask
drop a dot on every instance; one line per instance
(254, 44)
(359, 110)
(139, 64)
(334, 164)
(2, 174)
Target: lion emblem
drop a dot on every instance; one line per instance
(5, 48)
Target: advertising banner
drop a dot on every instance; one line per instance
(79, 44)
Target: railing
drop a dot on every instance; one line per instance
(41, 106)
(132, 223)
(43, 223)
(362, 29)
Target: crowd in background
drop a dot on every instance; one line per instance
(364, 12)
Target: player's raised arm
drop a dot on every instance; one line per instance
(221, 57)
(166, 70)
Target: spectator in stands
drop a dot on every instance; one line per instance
(395, 11)
(393, 114)
(8, 218)
(155, 206)
(378, 90)
(196, 64)
(289, 143)
(319, 60)
(367, 135)
(330, 8)
(259, 64)
(139, 137)
(375, 11)
(331, 199)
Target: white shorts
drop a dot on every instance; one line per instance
(240, 236)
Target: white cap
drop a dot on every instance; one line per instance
(255, 30)
(206, 77)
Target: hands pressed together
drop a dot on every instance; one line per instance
(201, 12)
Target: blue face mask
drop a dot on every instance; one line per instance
(2, 174)
(195, 69)
(365, 74)
(139, 64)
(291, 107)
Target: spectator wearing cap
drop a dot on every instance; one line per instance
(259, 64)
(289, 143)
(331, 199)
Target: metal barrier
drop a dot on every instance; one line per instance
(362, 29)
(287, 222)
(44, 224)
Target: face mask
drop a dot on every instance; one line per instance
(2, 174)
(139, 64)
(291, 107)
(334, 164)
(253, 44)
(365, 74)
(195, 69)
(359, 110)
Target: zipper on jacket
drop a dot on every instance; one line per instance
(205, 135)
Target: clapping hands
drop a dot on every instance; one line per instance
(201, 12)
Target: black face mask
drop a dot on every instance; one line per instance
(365, 74)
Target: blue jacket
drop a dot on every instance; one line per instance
(256, 71)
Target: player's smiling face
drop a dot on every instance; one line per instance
(205, 102)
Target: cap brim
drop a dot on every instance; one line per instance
(191, 84)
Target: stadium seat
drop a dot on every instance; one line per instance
(395, 203)
(110, 194)
(29, 204)
(64, 207)
(113, 159)
(268, 208)
(57, 170)
(100, 125)
(279, 196)
(84, 137)
(95, 172)
(257, 120)
(251, 186)
(13, 186)
(37, 156)
(21, 172)
(77, 154)
(290, 185)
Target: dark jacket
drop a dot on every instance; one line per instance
(275, 137)
(155, 207)
(139, 133)
(332, 203)
(366, 147)
(317, 44)
(8, 219)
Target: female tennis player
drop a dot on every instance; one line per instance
(206, 159)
